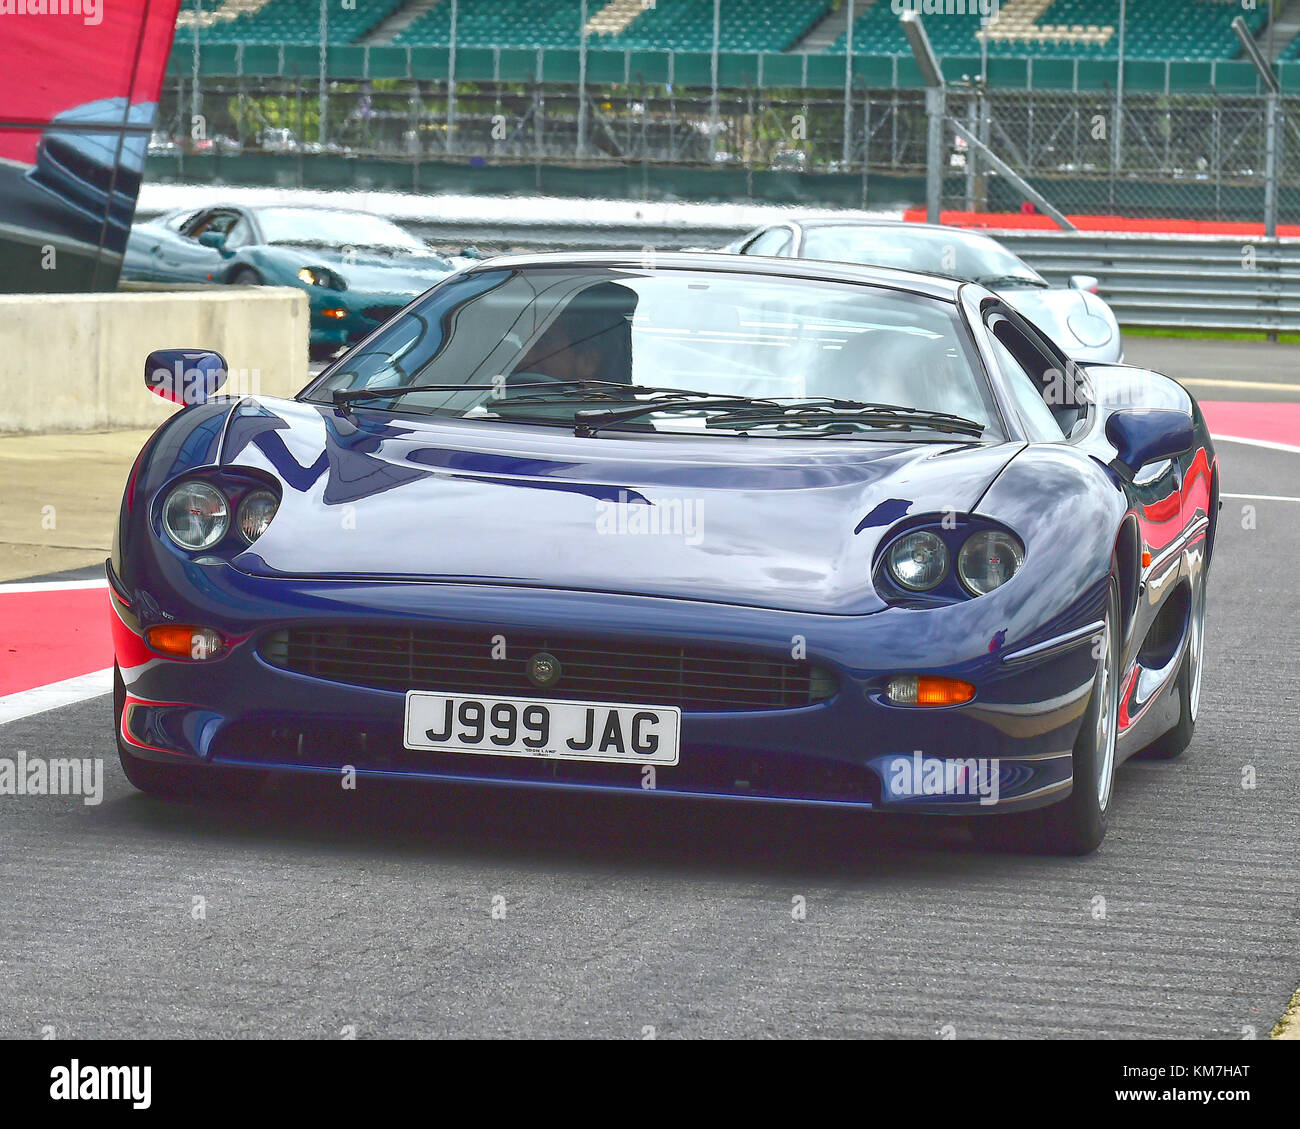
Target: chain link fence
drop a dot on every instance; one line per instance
(1199, 157)
(1184, 156)
(764, 127)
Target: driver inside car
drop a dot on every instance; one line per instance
(591, 339)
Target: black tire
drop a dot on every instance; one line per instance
(175, 780)
(1176, 740)
(244, 276)
(1077, 824)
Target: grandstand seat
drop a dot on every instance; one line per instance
(285, 21)
(1084, 29)
(681, 25)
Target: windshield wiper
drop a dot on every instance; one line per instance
(553, 392)
(569, 391)
(732, 412)
(345, 398)
(993, 281)
(588, 423)
(840, 419)
(335, 245)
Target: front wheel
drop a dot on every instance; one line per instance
(1077, 824)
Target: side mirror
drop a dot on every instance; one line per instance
(1085, 282)
(1142, 436)
(214, 239)
(185, 376)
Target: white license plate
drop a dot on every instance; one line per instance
(541, 727)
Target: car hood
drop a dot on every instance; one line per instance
(373, 273)
(1079, 322)
(775, 523)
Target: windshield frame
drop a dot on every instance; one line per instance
(997, 427)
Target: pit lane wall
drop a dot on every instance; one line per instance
(76, 362)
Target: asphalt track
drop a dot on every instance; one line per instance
(428, 911)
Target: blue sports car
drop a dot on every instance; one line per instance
(750, 529)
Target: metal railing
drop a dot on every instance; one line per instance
(1177, 280)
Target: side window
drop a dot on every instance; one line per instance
(195, 225)
(177, 222)
(212, 221)
(240, 235)
(773, 242)
(1025, 386)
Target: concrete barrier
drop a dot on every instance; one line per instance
(75, 362)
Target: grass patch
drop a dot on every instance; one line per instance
(1288, 1027)
(1206, 334)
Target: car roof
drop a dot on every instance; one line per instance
(319, 209)
(814, 270)
(908, 225)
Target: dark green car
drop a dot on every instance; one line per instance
(358, 269)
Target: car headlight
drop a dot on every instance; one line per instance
(196, 515)
(255, 514)
(321, 276)
(989, 559)
(918, 561)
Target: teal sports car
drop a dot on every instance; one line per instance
(358, 269)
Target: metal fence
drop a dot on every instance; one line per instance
(1197, 157)
(1186, 157)
(1171, 280)
(513, 120)
(1193, 141)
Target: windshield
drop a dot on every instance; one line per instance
(956, 254)
(334, 229)
(544, 344)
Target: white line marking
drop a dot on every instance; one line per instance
(25, 703)
(53, 586)
(1210, 382)
(1256, 443)
(1261, 497)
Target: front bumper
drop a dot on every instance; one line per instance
(1007, 749)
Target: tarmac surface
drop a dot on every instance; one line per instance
(437, 911)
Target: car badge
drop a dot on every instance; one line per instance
(543, 670)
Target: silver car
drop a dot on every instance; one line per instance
(1074, 316)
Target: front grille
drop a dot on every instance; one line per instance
(602, 670)
(380, 313)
